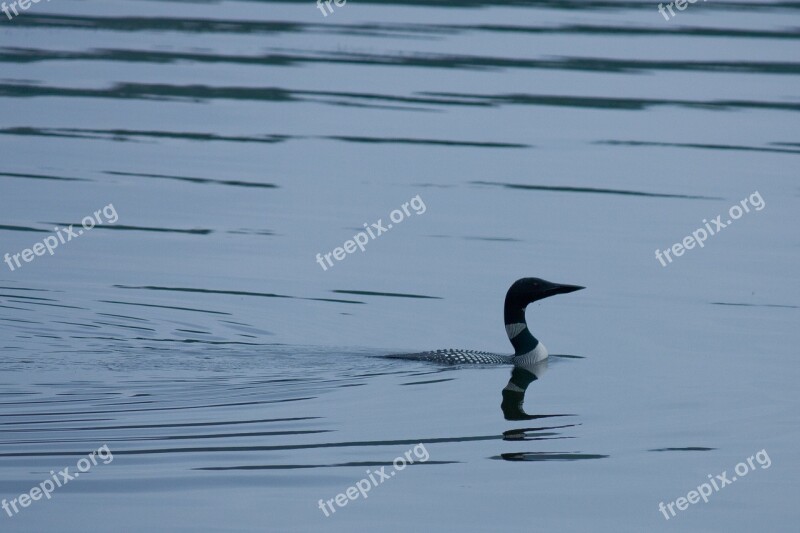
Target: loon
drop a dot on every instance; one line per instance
(528, 350)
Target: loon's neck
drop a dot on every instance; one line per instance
(517, 329)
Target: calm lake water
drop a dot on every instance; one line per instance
(236, 382)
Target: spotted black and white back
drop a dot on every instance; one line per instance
(457, 357)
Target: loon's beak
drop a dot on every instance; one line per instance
(558, 288)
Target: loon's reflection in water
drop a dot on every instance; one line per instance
(512, 405)
(514, 391)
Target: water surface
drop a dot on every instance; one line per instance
(237, 383)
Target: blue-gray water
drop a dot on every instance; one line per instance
(237, 383)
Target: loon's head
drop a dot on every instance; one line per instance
(521, 293)
(529, 290)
